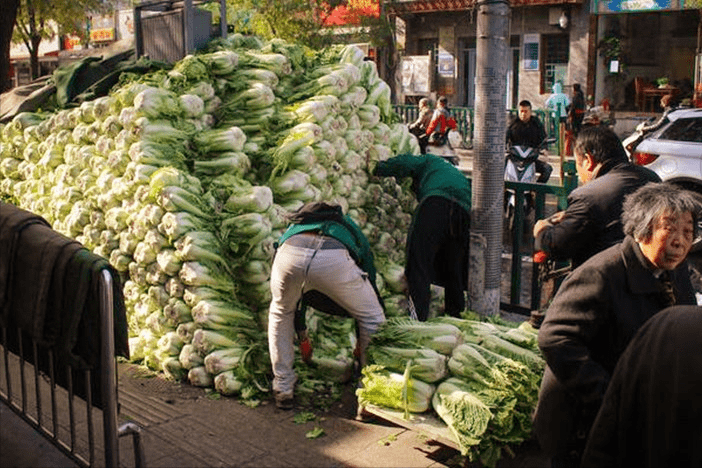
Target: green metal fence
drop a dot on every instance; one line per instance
(522, 228)
(464, 118)
(520, 241)
(462, 115)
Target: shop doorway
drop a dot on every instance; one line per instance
(469, 60)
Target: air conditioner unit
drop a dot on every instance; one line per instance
(161, 29)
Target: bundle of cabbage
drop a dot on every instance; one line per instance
(171, 177)
(392, 390)
(403, 332)
(488, 394)
(488, 402)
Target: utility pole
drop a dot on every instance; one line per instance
(489, 155)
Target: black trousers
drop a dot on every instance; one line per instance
(422, 138)
(437, 253)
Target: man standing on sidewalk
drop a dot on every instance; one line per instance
(591, 223)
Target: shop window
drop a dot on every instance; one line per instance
(429, 46)
(554, 66)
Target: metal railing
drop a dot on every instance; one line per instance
(520, 235)
(465, 117)
(519, 246)
(462, 115)
(54, 410)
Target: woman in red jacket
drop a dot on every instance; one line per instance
(441, 122)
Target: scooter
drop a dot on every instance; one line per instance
(520, 166)
(442, 145)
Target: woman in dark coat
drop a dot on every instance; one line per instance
(602, 304)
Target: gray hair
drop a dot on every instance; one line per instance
(643, 207)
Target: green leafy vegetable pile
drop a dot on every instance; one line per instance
(481, 378)
(181, 177)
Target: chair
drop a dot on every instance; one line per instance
(641, 85)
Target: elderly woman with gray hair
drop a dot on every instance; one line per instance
(602, 304)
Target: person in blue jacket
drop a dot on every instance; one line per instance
(438, 240)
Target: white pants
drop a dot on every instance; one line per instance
(332, 272)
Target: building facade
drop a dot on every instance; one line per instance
(603, 46)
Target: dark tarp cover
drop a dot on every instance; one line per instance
(83, 80)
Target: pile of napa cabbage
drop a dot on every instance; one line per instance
(181, 178)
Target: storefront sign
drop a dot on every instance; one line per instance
(102, 35)
(635, 6)
(447, 64)
(102, 28)
(71, 42)
(125, 24)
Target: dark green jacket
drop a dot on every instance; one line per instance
(431, 176)
(348, 234)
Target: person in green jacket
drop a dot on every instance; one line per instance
(438, 240)
(322, 260)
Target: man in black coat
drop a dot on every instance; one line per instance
(602, 304)
(527, 130)
(591, 223)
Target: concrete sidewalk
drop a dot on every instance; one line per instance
(183, 427)
(186, 426)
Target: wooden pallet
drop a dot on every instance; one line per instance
(427, 424)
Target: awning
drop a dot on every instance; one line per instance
(429, 6)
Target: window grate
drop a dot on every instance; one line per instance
(555, 64)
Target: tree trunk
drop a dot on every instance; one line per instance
(34, 56)
(8, 13)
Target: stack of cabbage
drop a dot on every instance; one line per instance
(482, 379)
(180, 178)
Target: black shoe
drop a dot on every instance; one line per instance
(284, 402)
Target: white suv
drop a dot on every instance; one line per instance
(674, 151)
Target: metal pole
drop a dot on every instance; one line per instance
(223, 19)
(489, 145)
(109, 371)
(188, 27)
